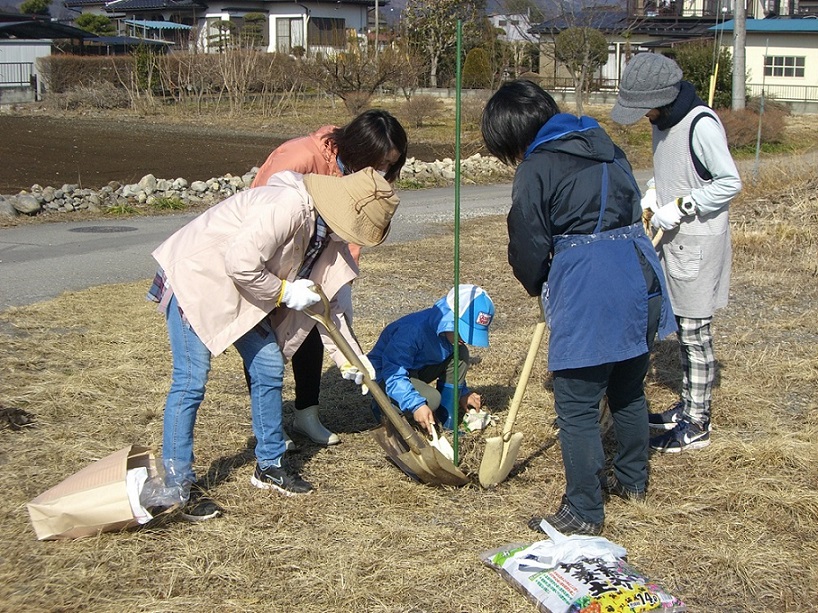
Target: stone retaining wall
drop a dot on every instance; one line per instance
(150, 191)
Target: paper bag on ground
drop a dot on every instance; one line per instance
(92, 500)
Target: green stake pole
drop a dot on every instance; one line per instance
(456, 356)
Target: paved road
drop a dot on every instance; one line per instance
(40, 261)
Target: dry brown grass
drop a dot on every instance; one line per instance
(728, 528)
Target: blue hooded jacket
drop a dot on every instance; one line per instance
(575, 235)
(410, 343)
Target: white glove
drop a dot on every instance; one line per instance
(667, 217)
(351, 373)
(648, 201)
(297, 294)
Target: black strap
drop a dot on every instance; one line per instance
(603, 198)
(701, 170)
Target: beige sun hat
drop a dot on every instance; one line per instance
(358, 207)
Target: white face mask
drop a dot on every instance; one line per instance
(381, 172)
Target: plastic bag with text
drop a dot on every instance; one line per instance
(579, 574)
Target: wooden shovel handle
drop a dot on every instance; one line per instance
(655, 236)
(533, 349)
(401, 425)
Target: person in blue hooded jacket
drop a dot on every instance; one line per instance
(576, 240)
(417, 350)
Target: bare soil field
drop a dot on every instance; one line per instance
(42, 146)
(91, 152)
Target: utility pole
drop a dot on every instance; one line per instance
(377, 28)
(739, 55)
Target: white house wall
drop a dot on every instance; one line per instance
(759, 45)
(354, 16)
(782, 44)
(24, 52)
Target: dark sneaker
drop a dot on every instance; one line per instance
(279, 479)
(614, 488)
(686, 435)
(667, 420)
(200, 506)
(566, 522)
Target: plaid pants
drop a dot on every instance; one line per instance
(698, 367)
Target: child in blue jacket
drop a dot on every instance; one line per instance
(416, 351)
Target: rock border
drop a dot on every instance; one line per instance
(150, 190)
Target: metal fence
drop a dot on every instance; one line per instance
(16, 73)
(785, 93)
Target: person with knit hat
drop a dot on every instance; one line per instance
(413, 357)
(695, 179)
(373, 138)
(240, 274)
(576, 241)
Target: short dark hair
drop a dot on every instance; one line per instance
(513, 116)
(368, 139)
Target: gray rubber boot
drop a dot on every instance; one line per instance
(306, 422)
(289, 442)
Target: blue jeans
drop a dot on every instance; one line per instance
(191, 365)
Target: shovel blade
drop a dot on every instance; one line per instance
(428, 465)
(498, 459)
(395, 449)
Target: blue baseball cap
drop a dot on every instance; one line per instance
(476, 313)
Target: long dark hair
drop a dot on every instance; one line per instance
(368, 139)
(513, 116)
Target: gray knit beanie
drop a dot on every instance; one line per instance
(649, 81)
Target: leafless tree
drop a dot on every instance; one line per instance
(432, 27)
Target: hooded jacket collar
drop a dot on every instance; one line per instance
(580, 136)
(446, 323)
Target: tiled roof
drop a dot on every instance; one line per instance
(26, 27)
(599, 19)
(79, 3)
(616, 21)
(118, 6)
(148, 5)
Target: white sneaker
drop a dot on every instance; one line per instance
(306, 422)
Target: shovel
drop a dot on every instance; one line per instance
(655, 236)
(409, 451)
(501, 451)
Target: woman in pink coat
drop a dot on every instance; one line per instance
(374, 138)
(254, 255)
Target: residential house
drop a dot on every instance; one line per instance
(289, 26)
(646, 25)
(781, 58)
(23, 40)
(514, 29)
